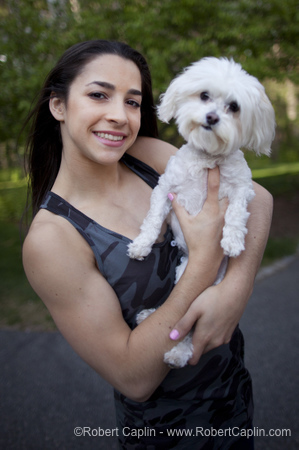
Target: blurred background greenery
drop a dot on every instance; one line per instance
(262, 35)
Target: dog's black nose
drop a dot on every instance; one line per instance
(212, 118)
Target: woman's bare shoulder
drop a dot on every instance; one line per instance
(50, 238)
(46, 228)
(153, 152)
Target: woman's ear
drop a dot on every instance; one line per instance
(57, 108)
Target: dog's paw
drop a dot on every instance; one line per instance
(137, 251)
(233, 244)
(144, 314)
(179, 355)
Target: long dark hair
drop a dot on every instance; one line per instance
(44, 145)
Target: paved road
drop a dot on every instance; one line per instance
(46, 390)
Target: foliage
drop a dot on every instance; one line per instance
(261, 34)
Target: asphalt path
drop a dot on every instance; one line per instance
(47, 394)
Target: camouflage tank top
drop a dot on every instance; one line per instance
(200, 406)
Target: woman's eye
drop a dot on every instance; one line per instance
(97, 95)
(204, 96)
(134, 103)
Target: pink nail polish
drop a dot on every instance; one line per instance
(170, 196)
(174, 335)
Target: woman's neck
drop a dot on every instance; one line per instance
(79, 180)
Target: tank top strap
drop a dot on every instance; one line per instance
(147, 173)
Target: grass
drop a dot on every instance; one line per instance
(281, 169)
(278, 248)
(21, 308)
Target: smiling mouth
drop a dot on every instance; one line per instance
(110, 137)
(207, 127)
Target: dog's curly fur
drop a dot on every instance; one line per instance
(218, 108)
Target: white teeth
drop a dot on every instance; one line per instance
(110, 137)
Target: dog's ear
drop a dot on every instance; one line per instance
(263, 127)
(168, 105)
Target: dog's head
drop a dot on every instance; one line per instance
(219, 108)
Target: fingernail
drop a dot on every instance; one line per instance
(170, 196)
(174, 335)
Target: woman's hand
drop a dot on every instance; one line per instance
(215, 321)
(203, 232)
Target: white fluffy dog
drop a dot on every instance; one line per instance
(218, 108)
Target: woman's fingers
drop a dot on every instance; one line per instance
(212, 200)
(184, 325)
(213, 184)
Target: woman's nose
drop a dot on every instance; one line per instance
(116, 112)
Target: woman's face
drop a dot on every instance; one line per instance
(101, 118)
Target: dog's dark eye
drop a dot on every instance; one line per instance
(204, 96)
(234, 107)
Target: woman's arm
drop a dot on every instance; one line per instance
(219, 308)
(61, 269)
(153, 152)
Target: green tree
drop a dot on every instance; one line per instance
(262, 35)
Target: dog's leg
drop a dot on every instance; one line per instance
(179, 355)
(237, 186)
(152, 224)
(234, 231)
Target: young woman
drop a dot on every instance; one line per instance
(94, 158)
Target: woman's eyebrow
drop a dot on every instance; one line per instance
(103, 84)
(110, 86)
(135, 92)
